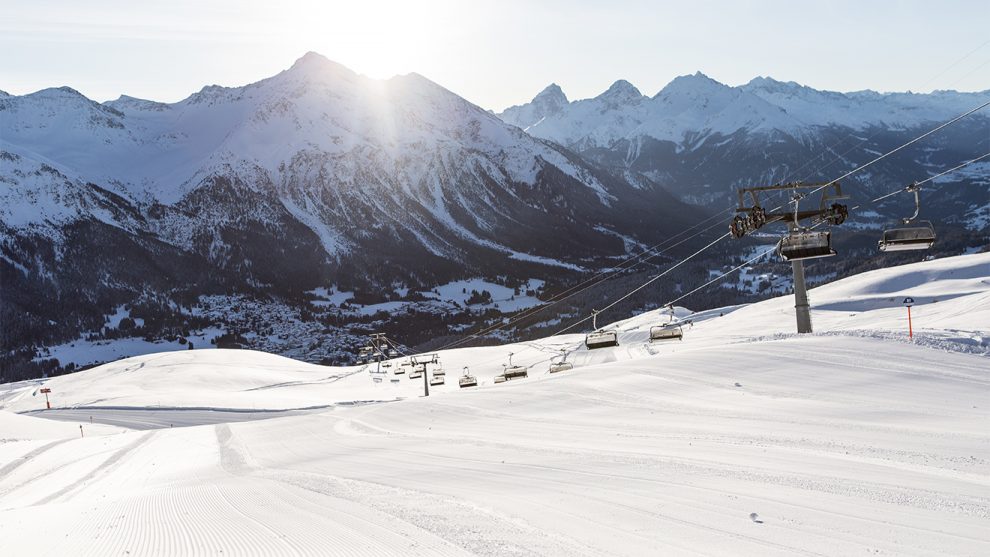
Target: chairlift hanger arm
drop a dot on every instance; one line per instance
(914, 188)
(754, 192)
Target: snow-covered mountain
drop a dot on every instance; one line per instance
(701, 139)
(314, 178)
(336, 150)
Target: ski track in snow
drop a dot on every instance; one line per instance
(854, 440)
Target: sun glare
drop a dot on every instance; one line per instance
(379, 38)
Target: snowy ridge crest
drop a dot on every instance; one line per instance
(694, 106)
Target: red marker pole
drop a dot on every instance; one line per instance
(909, 302)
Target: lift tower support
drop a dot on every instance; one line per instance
(751, 216)
(802, 307)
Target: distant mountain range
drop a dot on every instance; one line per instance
(319, 179)
(701, 139)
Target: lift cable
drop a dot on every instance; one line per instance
(892, 151)
(929, 179)
(647, 283)
(593, 281)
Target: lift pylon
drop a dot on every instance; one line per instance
(800, 243)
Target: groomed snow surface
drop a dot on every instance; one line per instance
(742, 439)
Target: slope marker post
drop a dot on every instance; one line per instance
(909, 302)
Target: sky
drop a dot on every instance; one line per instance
(494, 53)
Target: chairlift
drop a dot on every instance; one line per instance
(415, 374)
(905, 238)
(467, 380)
(802, 243)
(514, 372)
(666, 332)
(908, 238)
(439, 371)
(600, 338)
(436, 380)
(562, 365)
(805, 244)
(500, 379)
(669, 330)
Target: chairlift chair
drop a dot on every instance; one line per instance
(467, 380)
(439, 371)
(666, 332)
(514, 372)
(500, 379)
(669, 330)
(805, 244)
(561, 366)
(436, 380)
(600, 338)
(905, 238)
(415, 374)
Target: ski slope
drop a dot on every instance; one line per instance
(742, 439)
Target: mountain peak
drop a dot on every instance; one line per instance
(310, 59)
(313, 63)
(63, 91)
(133, 103)
(551, 94)
(770, 84)
(697, 82)
(621, 89)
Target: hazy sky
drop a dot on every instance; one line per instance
(494, 53)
